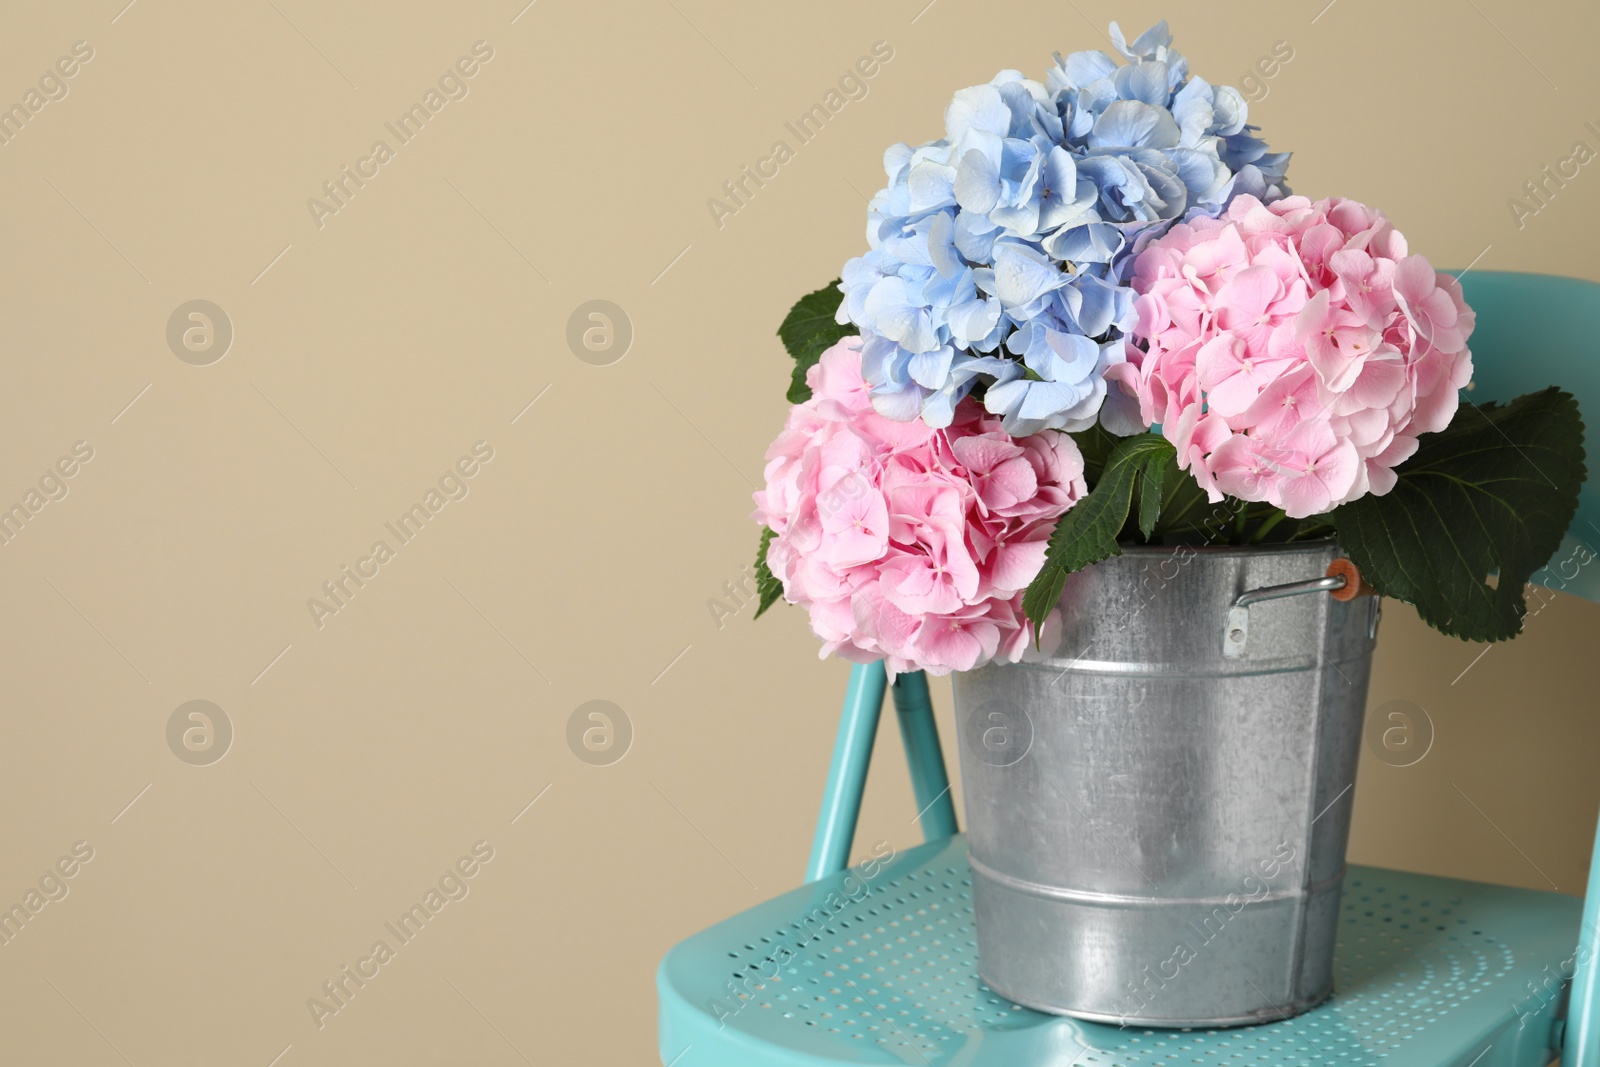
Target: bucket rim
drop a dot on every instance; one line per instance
(1321, 544)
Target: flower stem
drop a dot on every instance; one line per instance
(1316, 529)
(1265, 528)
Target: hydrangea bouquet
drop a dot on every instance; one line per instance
(1094, 314)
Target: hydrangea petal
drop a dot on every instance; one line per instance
(1032, 210)
(1134, 124)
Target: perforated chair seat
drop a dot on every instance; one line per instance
(883, 970)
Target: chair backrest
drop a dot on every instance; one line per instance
(1536, 330)
(852, 752)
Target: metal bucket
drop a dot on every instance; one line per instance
(1157, 815)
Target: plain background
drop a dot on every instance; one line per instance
(371, 352)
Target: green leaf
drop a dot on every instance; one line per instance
(1088, 533)
(1492, 493)
(1154, 470)
(1186, 508)
(1096, 444)
(810, 330)
(768, 588)
(1043, 594)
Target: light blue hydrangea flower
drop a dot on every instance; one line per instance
(999, 253)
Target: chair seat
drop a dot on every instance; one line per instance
(880, 967)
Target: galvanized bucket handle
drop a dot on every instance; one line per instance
(1343, 580)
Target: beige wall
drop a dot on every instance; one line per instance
(422, 318)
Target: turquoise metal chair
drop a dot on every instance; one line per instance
(876, 964)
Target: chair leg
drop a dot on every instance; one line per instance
(847, 775)
(929, 782)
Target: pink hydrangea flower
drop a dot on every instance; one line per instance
(907, 543)
(1293, 351)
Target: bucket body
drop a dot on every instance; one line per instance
(1157, 826)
